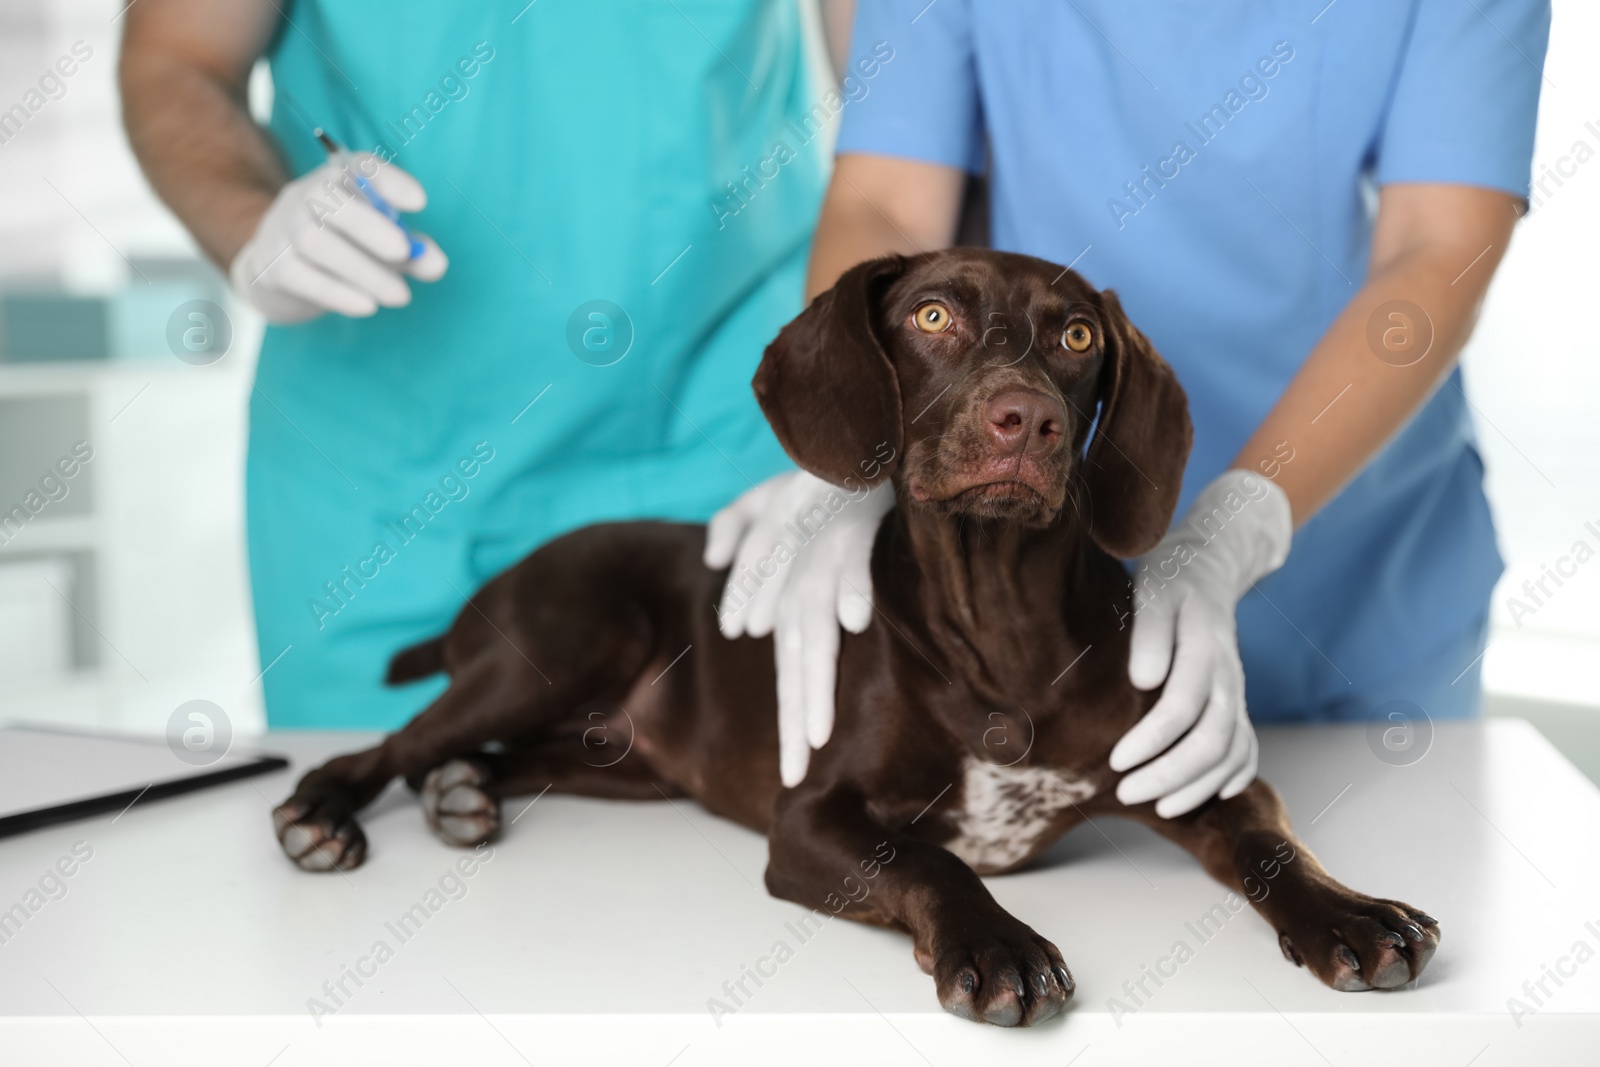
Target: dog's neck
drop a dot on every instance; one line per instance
(993, 594)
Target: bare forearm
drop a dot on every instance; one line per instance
(849, 231)
(189, 125)
(1359, 386)
(877, 206)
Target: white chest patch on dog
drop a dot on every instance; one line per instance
(1005, 810)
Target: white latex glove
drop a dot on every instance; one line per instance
(322, 247)
(1185, 593)
(818, 580)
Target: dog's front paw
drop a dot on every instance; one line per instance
(457, 804)
(1357, 942)
(320, 834)
(999, 971)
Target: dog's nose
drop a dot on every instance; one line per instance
(1021, 420)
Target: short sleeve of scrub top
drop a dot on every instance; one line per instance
(927, 105)
(1449, 119)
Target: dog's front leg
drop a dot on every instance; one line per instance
(826, 852)
(1347, 939)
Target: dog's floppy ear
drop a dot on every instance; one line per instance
(1134, 467)
(827, 386)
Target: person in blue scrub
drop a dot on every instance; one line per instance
(612, 204)
(1302, 205)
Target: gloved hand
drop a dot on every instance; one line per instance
(322, 247)
(1185, 593)
(804, 568)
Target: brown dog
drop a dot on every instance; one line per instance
(962, 747)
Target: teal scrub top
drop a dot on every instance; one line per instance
(1215, 163)
(626, 192)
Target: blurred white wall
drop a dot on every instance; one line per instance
(159, 609)
(76, 142)
(1533, 375)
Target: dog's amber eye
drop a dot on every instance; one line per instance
(1079, 336)
(932, 318)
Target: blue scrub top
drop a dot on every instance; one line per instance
(664, 158)
(1215, 164)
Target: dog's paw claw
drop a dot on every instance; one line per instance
(1013, 977)
(1356, 943)
(1347, 971)
(320, 835)
(457, 805)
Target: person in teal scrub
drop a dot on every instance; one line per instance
(607, 211)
